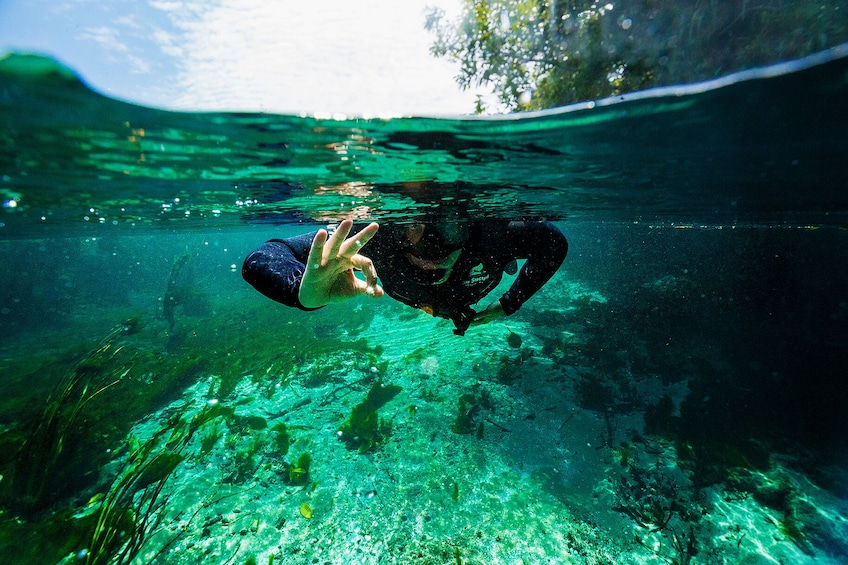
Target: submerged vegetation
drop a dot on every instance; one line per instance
(365, 430)
(47, 459)
(65, 451)
(255, 433)
(132, 507)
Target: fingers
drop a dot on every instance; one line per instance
(316, 252)
(365, 265)
(352, 245)
(336, 240)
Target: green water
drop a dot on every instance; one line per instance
(676, 393)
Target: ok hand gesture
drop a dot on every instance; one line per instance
(329, 269)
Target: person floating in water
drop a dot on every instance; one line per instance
(441, 267)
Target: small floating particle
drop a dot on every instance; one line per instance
(306, 510)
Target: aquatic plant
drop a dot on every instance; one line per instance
(209, 439)
(795, 517)
(467, 407)
(320, 374)
(245, 462)
(54, 431)
(298, 473)
(651, 496)
(282, 439)
(508, 367)
(513, 339)
(306, 510)
(364, 430)
(684, 546)
(132, 507)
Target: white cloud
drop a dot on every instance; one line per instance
(362, 57)
(129, 21)
(167, 43)
(138, 65)
(106, 36)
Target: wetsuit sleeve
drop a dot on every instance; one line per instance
(276, 268)
(544, 247)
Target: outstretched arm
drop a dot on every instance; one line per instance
(312, 270)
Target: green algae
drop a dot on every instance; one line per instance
(297, 473)
(513, 339)
(131, 372)
(47, 461)
(131, 509)
(364, 430)
(467, 407)
(282, 439)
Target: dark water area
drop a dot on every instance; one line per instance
(680, 382)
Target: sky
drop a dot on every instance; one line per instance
(353, 57)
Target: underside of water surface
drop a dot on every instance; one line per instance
(675, 394)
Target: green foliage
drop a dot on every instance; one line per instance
(651, 496)
(468, 411)
(255, 422)
(282, 439)
(45, 541)
(209, 413)
(467, 408)
(62, 444)
(298, 473)
(513, 339)
(319, 375)
(508, 367)
(209, 439)
(130, 510)
(44, 464)
(245, 460)
(538, 54)
(364, 430)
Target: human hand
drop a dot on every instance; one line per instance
(329, 277)
(492, 312)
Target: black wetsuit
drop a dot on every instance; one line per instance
(276, 268)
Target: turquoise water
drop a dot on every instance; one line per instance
(675, 394)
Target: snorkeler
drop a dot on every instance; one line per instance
(441, 267)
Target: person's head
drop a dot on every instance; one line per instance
(432, 249)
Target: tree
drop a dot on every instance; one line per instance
(542, 53)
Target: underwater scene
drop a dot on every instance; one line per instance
(677, 393)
